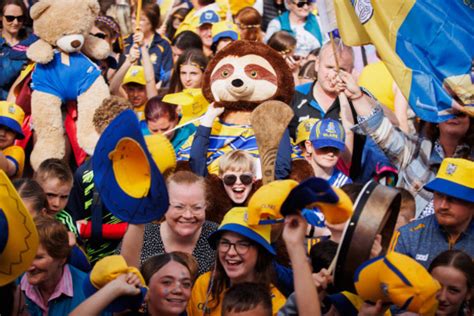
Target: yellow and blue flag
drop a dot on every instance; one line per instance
(428, 47)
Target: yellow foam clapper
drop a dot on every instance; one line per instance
(266, 202)
(131, 168)
(162, 152)
(336, 213)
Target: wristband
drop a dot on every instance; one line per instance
(357, 98)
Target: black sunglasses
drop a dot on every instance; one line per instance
(230, 179)
(302, 4)
(99, 35)
(11, 18)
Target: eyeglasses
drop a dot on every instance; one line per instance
(195, 209)
(241, 247)
(302, 4)
(99, 35)
(11, 18)
(245, 178)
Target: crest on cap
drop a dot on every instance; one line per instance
(451, 168)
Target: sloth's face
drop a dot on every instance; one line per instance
(247, 78)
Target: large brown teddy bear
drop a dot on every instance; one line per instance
(63, 72)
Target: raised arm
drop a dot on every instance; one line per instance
(399, 147)
(151, 90)
(307, 300)
(132, 244)
(125, 284)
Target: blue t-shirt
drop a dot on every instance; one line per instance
(65, 79)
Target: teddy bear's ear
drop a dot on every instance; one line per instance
(94, 6)
(39, 8)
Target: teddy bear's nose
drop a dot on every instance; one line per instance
(76, 43)
(237, 83)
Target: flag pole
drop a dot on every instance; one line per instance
(138, 12)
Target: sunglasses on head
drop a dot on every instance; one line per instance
(230, 179)
(11, 18)
(301, 4)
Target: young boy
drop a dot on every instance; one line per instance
(56, 179)
(325, 145)
(247, 299)
(12, 158)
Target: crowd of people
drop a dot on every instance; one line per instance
(350, 126)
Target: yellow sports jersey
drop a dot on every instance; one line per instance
(199, 298)
(224, 138)
(140, 111)
(16, 154)
(377, 79)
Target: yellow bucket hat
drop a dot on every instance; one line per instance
(264, 205)
(455, 178)
(192, 102)
(236, 221)
(224, 29)
(400, 280)
(12, 116)
(304, 129)
(18, 236)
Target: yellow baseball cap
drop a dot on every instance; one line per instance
(135, 74)
(18, 236)
(11, 116)
(108, 269)
(455, 178)
(236, 221)
(192, 102)
(264, 205)
(400, 280)
(304, 129)
(162, 152)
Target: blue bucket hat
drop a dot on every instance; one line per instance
(328, 133)
(125, 174)
(235, 221)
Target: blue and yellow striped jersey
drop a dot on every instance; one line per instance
(224, 138)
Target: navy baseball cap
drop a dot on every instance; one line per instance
(328, 133)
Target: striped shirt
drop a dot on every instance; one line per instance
(224, 138)
(338, 179)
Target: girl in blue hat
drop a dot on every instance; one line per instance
(244, 254)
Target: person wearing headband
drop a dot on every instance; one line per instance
(301, 23)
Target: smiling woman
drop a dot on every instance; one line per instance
(50, 286)
(184, 229)
(454, 270)
(244, 255)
